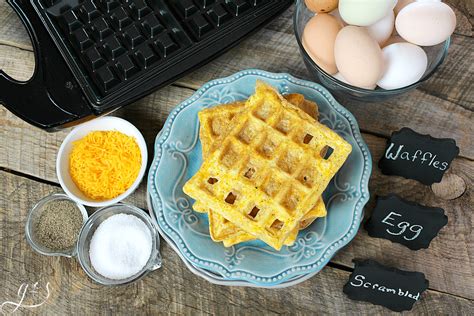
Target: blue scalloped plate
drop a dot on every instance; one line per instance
(219, 279)
(178, 157)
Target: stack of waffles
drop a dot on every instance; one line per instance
(266, 162)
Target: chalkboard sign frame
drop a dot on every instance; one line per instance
(418, 156)
(408, 223)
(378, 284)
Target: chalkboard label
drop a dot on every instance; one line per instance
(416, 156)
(404, 222)
(395, 289)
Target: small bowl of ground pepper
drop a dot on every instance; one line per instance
(53, 225)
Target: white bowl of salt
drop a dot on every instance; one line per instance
(118, 244)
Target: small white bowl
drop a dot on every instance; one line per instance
(108, 123)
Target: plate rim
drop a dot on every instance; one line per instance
(241, 283)
(331, 249)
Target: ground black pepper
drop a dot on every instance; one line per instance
(58, 226)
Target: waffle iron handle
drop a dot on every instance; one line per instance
(52, 96)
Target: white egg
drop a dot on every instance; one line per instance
(382, 29)
(364, 12)
(405, 64)
(426, 23)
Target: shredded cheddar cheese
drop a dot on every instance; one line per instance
(104, 164)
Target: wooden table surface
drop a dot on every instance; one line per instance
(442, 107)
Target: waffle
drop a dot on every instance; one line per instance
(268, 171)
(222, 230)
(214, 122)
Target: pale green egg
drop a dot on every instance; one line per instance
(364, 12)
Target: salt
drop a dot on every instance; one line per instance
(120, 247)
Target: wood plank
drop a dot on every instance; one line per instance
(465, 15)
(12, 31)
(17, 63)
(451, 187)
(31, 151)
(172, 289)
(451, 81)
(447, 263)
(441, 107)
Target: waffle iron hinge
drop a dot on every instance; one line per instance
(52, 97)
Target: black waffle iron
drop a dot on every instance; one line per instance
(94, 56)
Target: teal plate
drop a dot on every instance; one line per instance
(178, 157)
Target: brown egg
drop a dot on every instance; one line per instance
(321, 6)
(358, 57)
(318, 40)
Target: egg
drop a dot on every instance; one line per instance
(383, 28)
(405, 64)
(339, 77)
(358, 57)
(401, 4)
(335, 13)
(364, 12)
(318, 40)
(426, 23)
(321, 6)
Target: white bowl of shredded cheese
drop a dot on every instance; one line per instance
(101, 176)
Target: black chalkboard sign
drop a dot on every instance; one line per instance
(416, 156)
(395, 289)
(404, 222)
